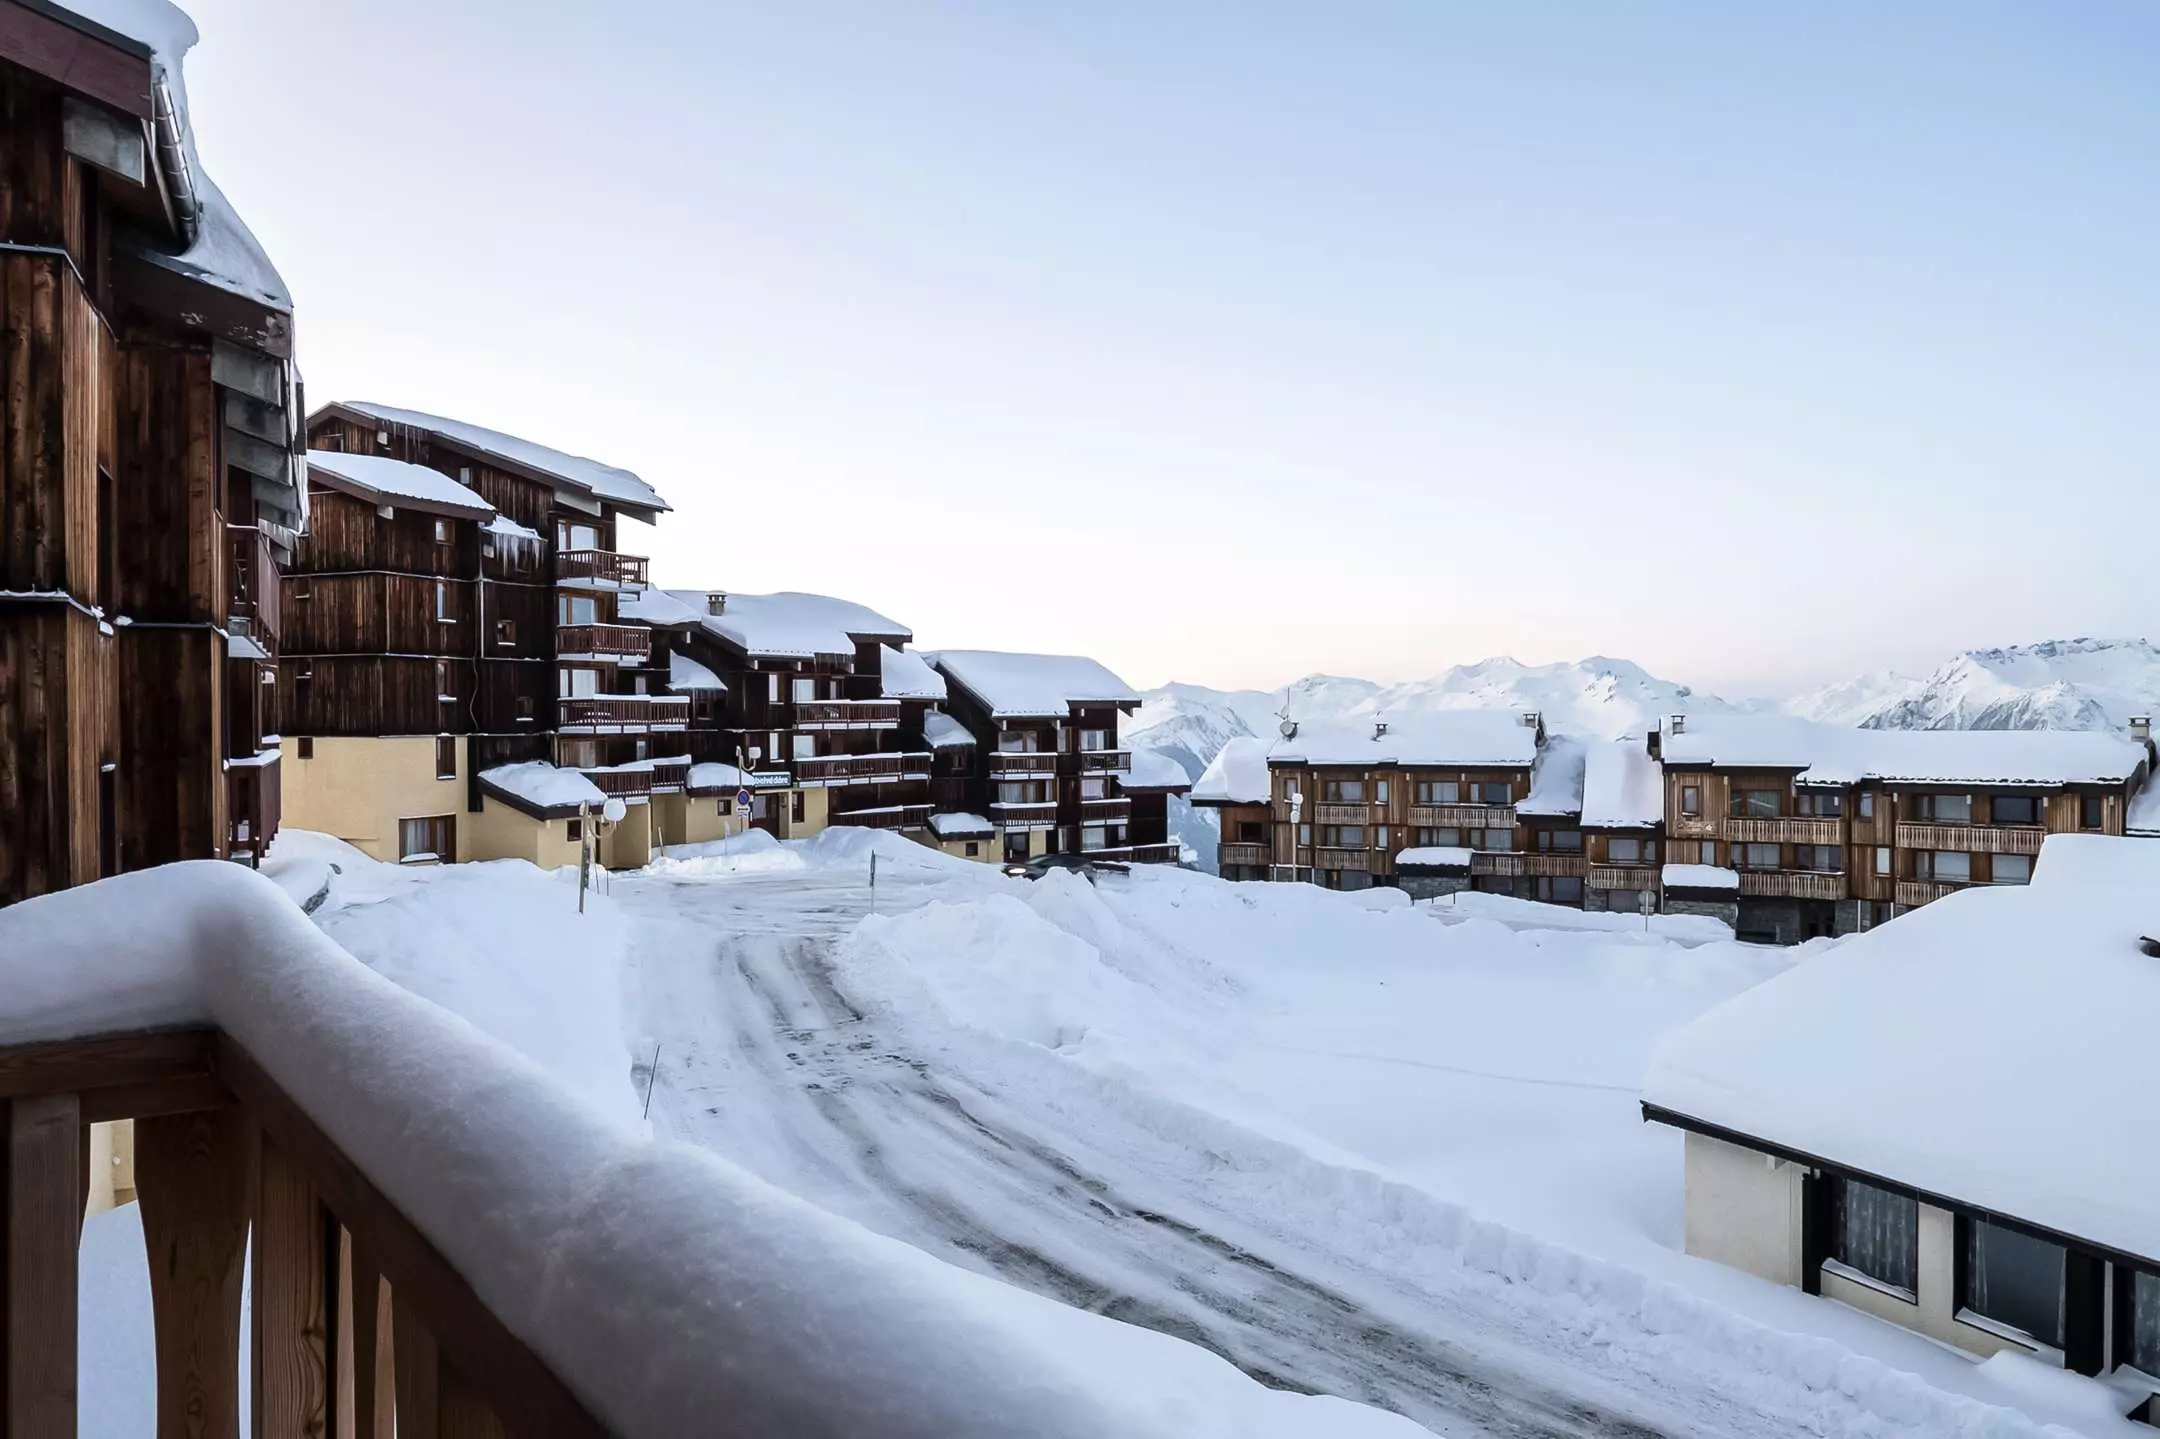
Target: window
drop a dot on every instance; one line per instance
(802, 746)
(1756, 804)
(1876, 1232)
(442, 532)
(1822, 858)
(1441, 838)
(1755, 856)
(1094, 739)
(2012, 1278)
(506, 632)
(974, 848)
(442, 603)
(1379, 837)
(1946, 808)
(1342, 836)
(1495, 792)
(446, 756)
(2089, 818)
(442, 681)
(1706, 855)
(1691, 799)
(1342, 791)
(1251, 832)
(796, 807)
(1882, 859)
(1560, 889)
(425, 841)
(1649, 851)
(1944, 865)
(1091, 787)
(2014, 809)
(1560, 841)
(2144, 1341)
(2012, 869)
(772, 689)
(1867, 804)
(803, 690)
(1624, 901)
(307, 747)
(1820, 806)
(1092, 837)
(303, 588)
(1439, 791)
(571, 830)
(1499, 840)
(1624, 851)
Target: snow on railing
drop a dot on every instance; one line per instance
(653, 1289)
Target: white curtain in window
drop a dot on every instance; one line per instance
(1878, 1233)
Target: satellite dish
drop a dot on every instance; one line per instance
(1288, 728)
(614, 810)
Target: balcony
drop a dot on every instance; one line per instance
(1024, 816)
(1244, 854)
(1693, 826)
(1011, 764)
(1342, 859)
(895, 816)
(1105, 811)
(1495, 862)
(599, 570)
(1339, 814)
(606, 644)
(846, 714)
(1971, 838)
(1156, 854)
(1791, 884)
(1912, 892)
(1462, 816)
(829, 771)
(621, 714)
(1793, 830)
(1105, 761)
(633, 781)
(1624, 876)
(1572, 866)
(253, 582)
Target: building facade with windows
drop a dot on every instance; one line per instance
(1959, 1176)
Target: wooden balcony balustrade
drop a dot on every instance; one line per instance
(1912, 892)
(1155, 853)
(622, 714)
(1791, 884)
(253, 582)
(1246, 854)
(1006, 763)
(606, 642)
(1494, 862)
(253, 796)
(1339, 814)
(1789, 830)
(1326, 858)
(1462, 816)
(621, 783)
(898, 816)
(1563, 865)
(1624, 876)
(1105, 811)
(1024, 816)
(860, 768)
(1972, 838)
(1105, 761)
(1694, 826)
(846, 714)
(600, 570)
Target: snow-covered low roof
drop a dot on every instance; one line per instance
(1023, 686)
(941, 731)
(1154, 771)
(541, 786)
(715, 777)
(961, 826)
(781, 626)
(381, 480)
(686, 675)
(1701, 876)
(1556, 780)
(2026, 1092)
(908, 675)
(1465, 739)
(1434, 856)
(1623, 788)
(2144, 816)
(1833, 754)
(606, 482)
(1237, 775)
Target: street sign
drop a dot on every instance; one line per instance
(742, 799)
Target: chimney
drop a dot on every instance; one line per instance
(2141, 728)
(1379, 728)
(1679, 724)
(1654, 744)
(716, 602)
(1532, 719)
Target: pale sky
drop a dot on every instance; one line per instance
(1759, 344)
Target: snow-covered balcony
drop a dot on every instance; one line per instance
(621, 714)
(1105, 761)
(600, 570)
(603, 644)
(824, 771)
(1972, 838)
(846, 714)
(891, 816)
(1792, 829)
(1032, 815)
(1326, 857)
(1912, 893)
(1105, 811)
(1016, 764)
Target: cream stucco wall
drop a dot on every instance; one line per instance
(501, 832)
(112, 1166)
(627, 843)
(989, 848)
(816, 806)
(358, 788)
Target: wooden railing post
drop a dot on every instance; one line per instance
(44, 1232)
(191, 1174)
(367, 1395)
(433, 1399)
(290, 1371)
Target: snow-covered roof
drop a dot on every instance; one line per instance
(1237, 775)
(382, 480)
(782, 626)
(1623, 788)
(908, 675)
(1556, 779)
(1154, 770)
(2144, 816)
(961, 826)
(1469, 739)
(509, 529)
(941, 731)
(1434, 856)
(606, 482)
(1701, 876)
(686, 674)
(542, 786)
(712, 777)
(1832, 754)
(2025, 1091)
(1022, 686)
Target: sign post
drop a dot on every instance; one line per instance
(584, 859)
(1646, 900)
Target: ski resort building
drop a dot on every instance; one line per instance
(457, 633)
(1623, 826)
(150, 481)
(1980, 1177)
(1235, 785)
(1050, 771)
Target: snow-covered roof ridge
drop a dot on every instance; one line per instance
(942, 731)
(908, 675)
(1485, 739)
(787, 625)
(686, 675)
(382, 480)
(1237, 775)
(1556, 779)
(2014, 1095)
(1623, 788)
(541, 786)
(1832, 754)
(1032, 686)
(607, 482)
(1153, 770)
(601, 1251)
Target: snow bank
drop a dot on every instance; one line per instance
(1023, 686)
(1532, 914)
(1237, 775)
(675, 1286)
(750, 852)
(850, 847)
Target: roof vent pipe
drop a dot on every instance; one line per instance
(716, 602)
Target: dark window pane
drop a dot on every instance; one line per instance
(2015, 1279)
(2015, 809)
(2145, 1323)
(1878, 1233)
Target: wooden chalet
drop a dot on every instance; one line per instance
(1623, 827)
(1235, 785)
(148, 471)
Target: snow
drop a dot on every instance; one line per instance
(380, 480)
(243, 647)
(2012, 1096)
(711, 776)
(778, 626)
(1556, 779)
(1830, 754)
(1465, 738)
(908, 675)
(1623, 788)
(1437, 856)
(2144, 814)
(1701, 876)
(1154, 771)
(506, 528)
(686, 675)
(942, 731)
(602, 481)
(2095, 684)
(961, 826)
(1027, 686)
(1529, 914)
(543, 786)
(1236, 775)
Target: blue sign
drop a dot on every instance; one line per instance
(742, 799)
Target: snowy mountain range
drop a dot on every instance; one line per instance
(2058, 684)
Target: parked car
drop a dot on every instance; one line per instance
(1084, 864)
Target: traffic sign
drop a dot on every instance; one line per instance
(742, 799)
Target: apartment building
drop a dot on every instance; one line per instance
(455, 617)
(149, 472)
(1235, 786)
(1051, 771)
(1623, 827)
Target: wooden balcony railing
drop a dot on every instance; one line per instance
(1972, 838)
(1342, 859)
(1462, 816)
(1024, 816)
(253, 581)
(253, 795)
(846, 714)
(1105, 811)
(1624, 876)
(1791, 884)
(1494, 862)
(1247, 854)
(1563, 865)
(599, 570)
(1790, 830)
(860, 768)
(1154, 853)
(605, 642)
(621, 783)
(1105, 761)
(622, 714)
(1923, 891)
(897, 816)
(1018, 762)
(1339, 814)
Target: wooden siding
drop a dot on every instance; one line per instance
(1791, 884)
(56, 725)
(171, 750)
(1971, 839)
(54, 359)
(377, 614)
(171, 537)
